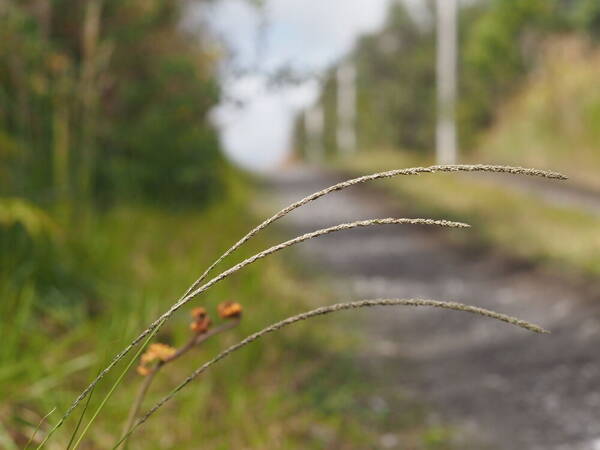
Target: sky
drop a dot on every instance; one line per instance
(306, 35)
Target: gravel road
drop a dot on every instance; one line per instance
(503, 387)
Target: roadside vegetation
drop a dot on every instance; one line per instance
(528, 95)
(520, 224)
(113, 197)
(131, 263)
(553, 120)
(502, 44)
(298, 389)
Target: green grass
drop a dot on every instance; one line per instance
(552, 122)
(519, 224)
(296, 389)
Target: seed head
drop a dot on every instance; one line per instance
(143, 370)
(201, 325)
(199, 313)
(230, 310)
(162, 352)
(157, 352)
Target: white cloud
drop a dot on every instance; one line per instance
(315, 32)
(257, 136)
(309, 35)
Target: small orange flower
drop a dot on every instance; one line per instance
(230, 310)
(199, 313)
(147, 357)
(143, 370)
(160, 352)
(201, 326)
(155, 352)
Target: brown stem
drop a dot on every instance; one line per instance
(193, 342)
(137, 404)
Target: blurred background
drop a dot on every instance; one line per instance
(139, 139)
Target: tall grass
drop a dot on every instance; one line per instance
(197, 289)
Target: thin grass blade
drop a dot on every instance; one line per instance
(85, 407)
(42, 420)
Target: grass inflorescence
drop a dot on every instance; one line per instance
(197, 287)
(329, 310)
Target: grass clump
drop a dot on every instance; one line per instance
(197, 289)
(138, 256)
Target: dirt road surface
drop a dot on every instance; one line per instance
(500, 387)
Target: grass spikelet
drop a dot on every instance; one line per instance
(158, 322)
(328, 310)
(377, 176)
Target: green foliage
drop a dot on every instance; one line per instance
(396, 99)
(586, 15)
(552, 121)
(37, 258)
(99, 100)
(437, 438)
(500, 43)
(498, 48)
(141, 257)
(105, 98)
(15, 211)
(167, 152)
(397, 88)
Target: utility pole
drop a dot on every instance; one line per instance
(346, 109)
(446, 146)
(315, 124)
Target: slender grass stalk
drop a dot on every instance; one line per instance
(80, 421)
(158, 322)
(285, 211)
(42, 420)
(372, 177)
(112, 389)
(104, 400)
(328, 310)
